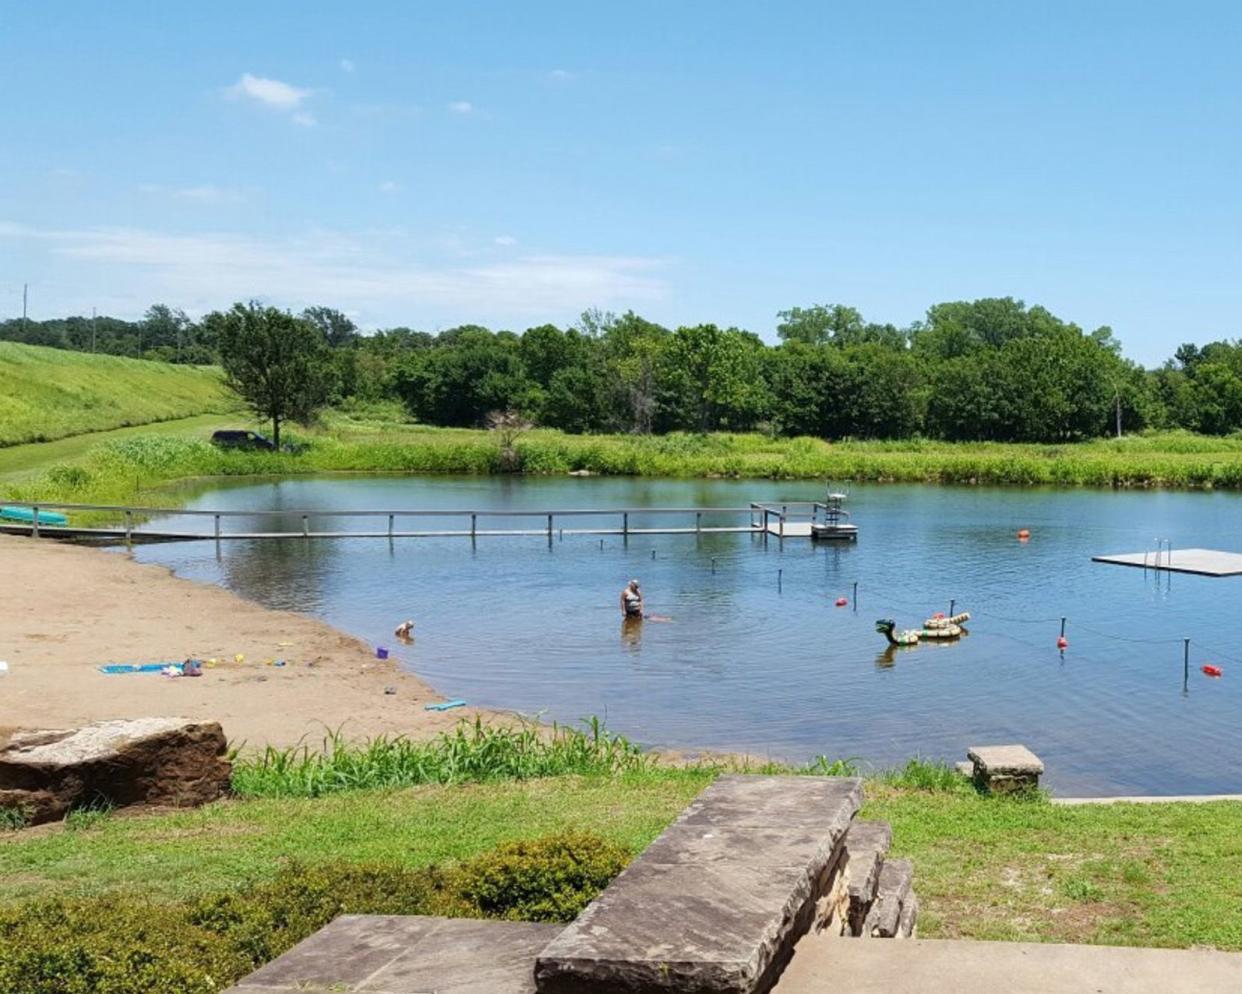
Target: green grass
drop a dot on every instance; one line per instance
(225, 845)
(48, 394)
(1136, 874)
(134, 469)
(985, 868)
(471, 753)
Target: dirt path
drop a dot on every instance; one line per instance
(65, 610)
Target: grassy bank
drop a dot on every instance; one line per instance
(510, 824)
(48, 394)
(130, 469)
(985, 868)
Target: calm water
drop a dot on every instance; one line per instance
(746, 665)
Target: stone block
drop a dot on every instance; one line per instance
(716, 903)
(1005, 768)
(866, 844)
(383, 954)
(884, 919)
(907, 924)
(159, 761)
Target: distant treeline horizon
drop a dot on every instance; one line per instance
(992, 369)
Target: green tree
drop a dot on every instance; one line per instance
(337, 329)
(279, 364)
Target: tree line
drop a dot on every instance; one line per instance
(989, 369)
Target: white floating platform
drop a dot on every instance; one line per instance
(1202, 562)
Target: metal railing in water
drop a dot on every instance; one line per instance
(768, 518)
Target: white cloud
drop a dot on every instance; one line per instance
(390, 186)
(385, 277)
(347, 65)
(505, 240)
(271, 92)
(461, 107)
(305, 119)
(206, 193)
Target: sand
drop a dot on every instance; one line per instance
(67, 609)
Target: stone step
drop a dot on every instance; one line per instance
(883, 921)
(716, 903)
(908, 922)
(866, 844)
(391, 954)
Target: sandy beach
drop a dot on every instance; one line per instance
(68, 609)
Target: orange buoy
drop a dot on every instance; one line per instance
(1062, 642)
(1023, 534)
(1211, 670)
(841, 602)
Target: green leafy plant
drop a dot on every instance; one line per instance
(549, 879)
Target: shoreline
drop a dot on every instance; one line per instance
(74, 608)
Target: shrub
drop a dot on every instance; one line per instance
(547, 880)
(124, 944)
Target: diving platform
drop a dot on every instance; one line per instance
(1200, 562)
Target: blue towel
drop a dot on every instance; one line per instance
(445, 705)
(112, 668)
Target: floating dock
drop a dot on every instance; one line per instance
(1200, 562)
(789, 519)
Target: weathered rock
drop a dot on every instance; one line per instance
(391, 954)
(1005, 768)
(866, 844)
(164, 761)
(884, 919)
(908, 921)
(716, 903)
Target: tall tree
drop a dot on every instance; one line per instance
(337, 329)
(279, 364)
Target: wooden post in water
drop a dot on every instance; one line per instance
(698, 521)
(217, 528)
(390, 524)
(625, 524)
(1185, 665)
(34, 522)
(549, 529)
(854, 599)
(129, 526)
(305, 527)
(474, 521)
(952, 605)
(779, 575)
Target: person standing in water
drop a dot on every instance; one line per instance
(632, 601)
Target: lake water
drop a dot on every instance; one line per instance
(747, 665)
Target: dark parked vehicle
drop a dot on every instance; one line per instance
(229, 439)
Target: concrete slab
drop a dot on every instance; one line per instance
(1202, 562)
(716, 903)
(382, 954)
(1005, 760)
(922, 966)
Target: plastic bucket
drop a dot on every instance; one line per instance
(381, 652)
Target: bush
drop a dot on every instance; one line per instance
(122, 944)
(545, 880)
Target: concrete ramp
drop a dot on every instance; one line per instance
(918, 966)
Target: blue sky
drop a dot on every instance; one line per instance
(509, 163)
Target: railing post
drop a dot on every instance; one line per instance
(34, 522)
(305, 527)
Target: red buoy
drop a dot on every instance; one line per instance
(1062, 642)
(841, 602)
(1211, 670)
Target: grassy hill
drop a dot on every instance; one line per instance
(51, 393)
